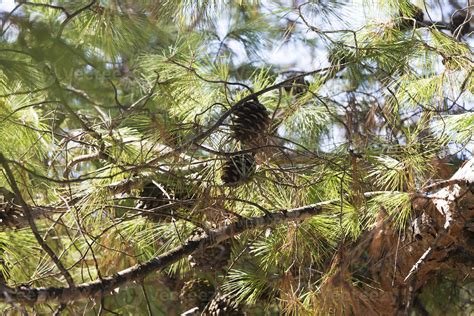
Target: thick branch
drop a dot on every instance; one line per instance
(445, 203)
(400, 264)
(106, 285)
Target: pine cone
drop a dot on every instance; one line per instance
(238, 169)
(10, 213)
(250, 121)
(298, 86)
(153, 197)
(416, 13)
(460, 18)
(212, 258)
(222, 305)
(196, 293)
(339, 56)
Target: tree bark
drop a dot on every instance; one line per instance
(107, 285)
(399, 263)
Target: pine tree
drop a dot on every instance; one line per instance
(226, 157)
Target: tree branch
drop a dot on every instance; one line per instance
(445, 202)
(28, 214)
(108, 284)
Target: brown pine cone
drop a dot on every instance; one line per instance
(460, 23)
(250, 121)
(238, 169)
(212, 258)
(222, 305)
(196, 293)
(10, 212)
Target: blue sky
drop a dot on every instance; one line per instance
(7, 5)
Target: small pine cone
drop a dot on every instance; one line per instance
(460, 18)
(152, 197)
(212, 258)
(250, 121)
(10, 213)
(222, 305)
(238, 169)
(298, 86)
(339, 56)
(196, 293)
(416, 13)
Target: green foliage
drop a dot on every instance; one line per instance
(458, 127)
(99, 98)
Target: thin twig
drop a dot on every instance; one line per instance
(28, 214)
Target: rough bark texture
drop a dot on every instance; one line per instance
(108, 284)
(397, 264)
